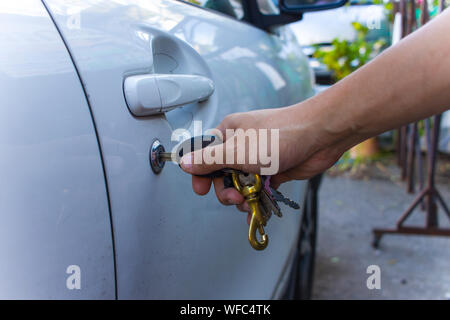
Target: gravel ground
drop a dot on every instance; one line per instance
(412, 267)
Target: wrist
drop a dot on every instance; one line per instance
(335, 120)
(318, 122)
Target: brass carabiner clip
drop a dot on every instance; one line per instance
(257, 222)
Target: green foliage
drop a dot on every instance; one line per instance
(347, 162)
(388, 7)
(344, 57)
(433, 7)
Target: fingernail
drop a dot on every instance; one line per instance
(186, 162)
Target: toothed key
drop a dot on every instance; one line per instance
(278, 196)
(267, 200)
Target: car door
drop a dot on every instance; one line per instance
(55, 230)
(169, 242)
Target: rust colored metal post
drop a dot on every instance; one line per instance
(407, 22)
(419, 163)
(424, 16)
(403, 150)
(410, 159)
(403, 12)
(411, 19)
(398, 146)
(431, 206)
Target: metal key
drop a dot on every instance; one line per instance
(189, 145)
(168, 156)
(266, 204)
(261, 198)
(267, 201)
(279, 197)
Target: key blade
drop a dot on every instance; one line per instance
(267, 193)
(265, 211)
(167, 156)
(278, 196)
(270, 203)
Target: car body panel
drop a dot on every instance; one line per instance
(170, 243)
(53, 202)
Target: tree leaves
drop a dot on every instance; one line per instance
(344, 57)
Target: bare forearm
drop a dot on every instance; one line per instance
(408, 82)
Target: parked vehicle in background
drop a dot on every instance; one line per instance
(320, 28)
(82, 214)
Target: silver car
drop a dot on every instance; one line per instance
(82, 213)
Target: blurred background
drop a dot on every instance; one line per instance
(379, 179)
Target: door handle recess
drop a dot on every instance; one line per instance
(150, 94)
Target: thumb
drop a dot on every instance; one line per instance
(207, 160)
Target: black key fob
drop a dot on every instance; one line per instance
(197, 143)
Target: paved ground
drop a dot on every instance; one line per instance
(412, 267)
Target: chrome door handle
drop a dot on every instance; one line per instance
(150, 94)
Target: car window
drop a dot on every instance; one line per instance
(231, 8)
(268, 6)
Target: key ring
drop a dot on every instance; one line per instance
(251, 195)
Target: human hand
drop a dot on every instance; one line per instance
(315, 133)
(303, 150)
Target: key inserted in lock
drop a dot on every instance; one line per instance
(189, 145)
(260, 197)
